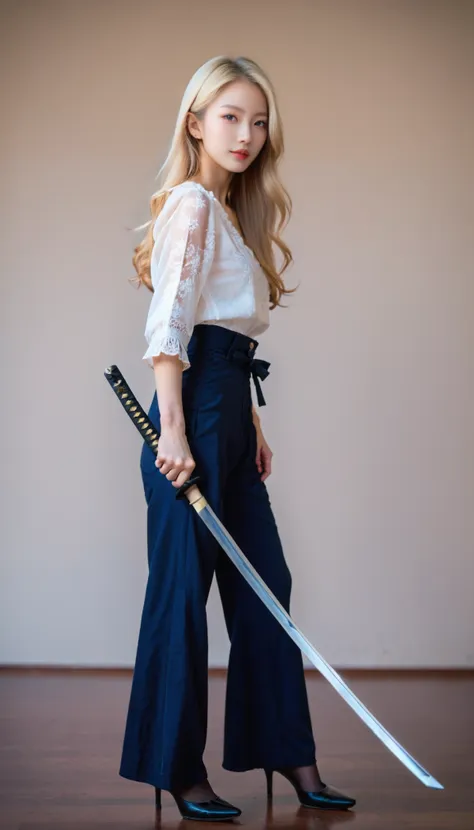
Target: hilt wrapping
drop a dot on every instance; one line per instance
(141, 420)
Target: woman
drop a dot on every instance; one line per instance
(208, 258)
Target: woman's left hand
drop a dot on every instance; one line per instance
(264, 454)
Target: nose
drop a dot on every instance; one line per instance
(245, 132)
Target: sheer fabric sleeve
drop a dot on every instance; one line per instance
(183, 250)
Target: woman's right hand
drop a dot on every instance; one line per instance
(174, 459)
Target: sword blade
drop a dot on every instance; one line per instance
(245, 567)
(198, 501)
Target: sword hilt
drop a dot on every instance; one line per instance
(141, 420)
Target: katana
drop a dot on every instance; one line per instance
(197, 500)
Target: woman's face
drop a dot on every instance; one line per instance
(236, 120)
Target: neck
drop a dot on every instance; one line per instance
(215, 178)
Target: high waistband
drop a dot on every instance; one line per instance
(234, 346)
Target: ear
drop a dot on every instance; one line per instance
(193, 125)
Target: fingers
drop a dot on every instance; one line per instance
(177, 470)
(181, 479)
(264, 461)
(176, 467)
(181, 471)
(164, 464)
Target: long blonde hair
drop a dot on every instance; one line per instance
(257, 196)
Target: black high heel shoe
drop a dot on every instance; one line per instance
(325, 799)
(216, 809)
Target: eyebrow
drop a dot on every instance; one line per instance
(234, 107)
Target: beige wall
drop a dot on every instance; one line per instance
(370, 401)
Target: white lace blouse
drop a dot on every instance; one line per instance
(202, 272)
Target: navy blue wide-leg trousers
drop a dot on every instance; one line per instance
(267, 718)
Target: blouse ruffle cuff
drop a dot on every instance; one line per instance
(167, 344)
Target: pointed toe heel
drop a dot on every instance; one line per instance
(325, 799)
(216, 809)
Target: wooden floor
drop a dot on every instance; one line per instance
(61, 741)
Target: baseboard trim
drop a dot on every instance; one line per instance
(347, 671)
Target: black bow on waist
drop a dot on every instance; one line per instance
(260, 370)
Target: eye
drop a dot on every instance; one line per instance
(230, 115)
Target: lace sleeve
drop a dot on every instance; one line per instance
(184, 244)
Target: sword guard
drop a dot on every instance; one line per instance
(181, 492)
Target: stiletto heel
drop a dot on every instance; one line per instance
(325, 799)
(157, 798)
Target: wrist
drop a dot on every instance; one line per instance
(172, 419)
(255, 417)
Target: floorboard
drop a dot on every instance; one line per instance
(62, 732)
